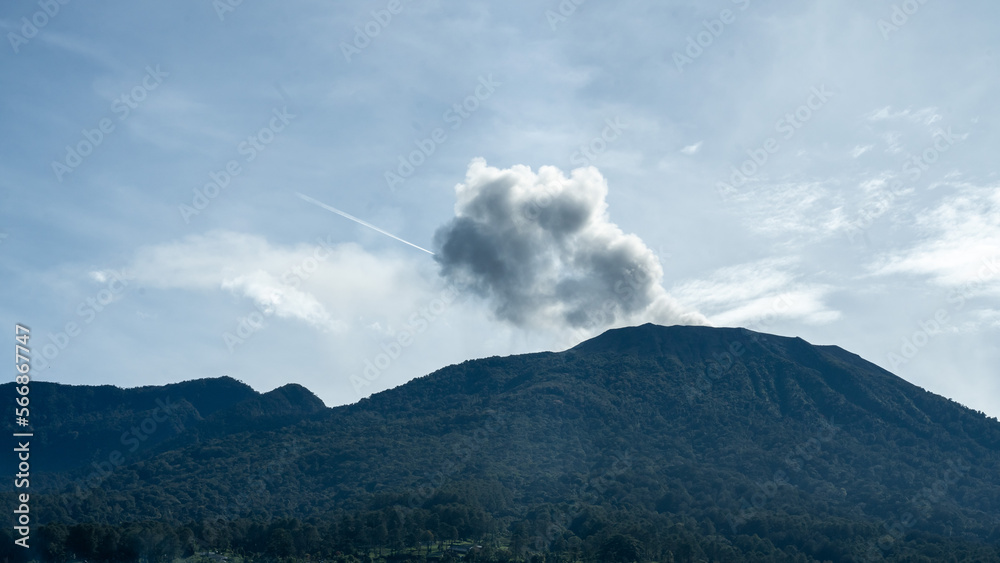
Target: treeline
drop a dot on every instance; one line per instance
(402, 534)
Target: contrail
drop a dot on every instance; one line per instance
(359, 221)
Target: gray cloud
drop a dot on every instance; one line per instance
(542, 250)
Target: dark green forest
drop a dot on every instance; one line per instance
(643, 444)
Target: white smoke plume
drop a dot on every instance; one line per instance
(544, 253)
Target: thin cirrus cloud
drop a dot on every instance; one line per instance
(961, 242)
(757, 293)
(926, 116)
(809, 208)
(859, 150)
(691, 149)
(845, 200)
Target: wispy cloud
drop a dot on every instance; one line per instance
(692, 149)
(325, 284)
(749, 293)
(860, 150)
(811, 209)
(926, 116)
(959, 240)
(85, 49)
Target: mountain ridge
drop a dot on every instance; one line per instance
(728, 433)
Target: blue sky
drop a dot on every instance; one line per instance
(819, 169)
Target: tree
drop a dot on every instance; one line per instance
(620, 548)
(426, 537)
(83, 540)
(281, 543)
(54, 538)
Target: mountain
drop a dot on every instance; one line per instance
(648, 443)
(79, 425)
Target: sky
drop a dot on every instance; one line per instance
(352, 195)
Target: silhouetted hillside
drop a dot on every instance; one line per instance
(78, 425)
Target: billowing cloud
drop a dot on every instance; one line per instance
(543, 251)
(275, 295)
